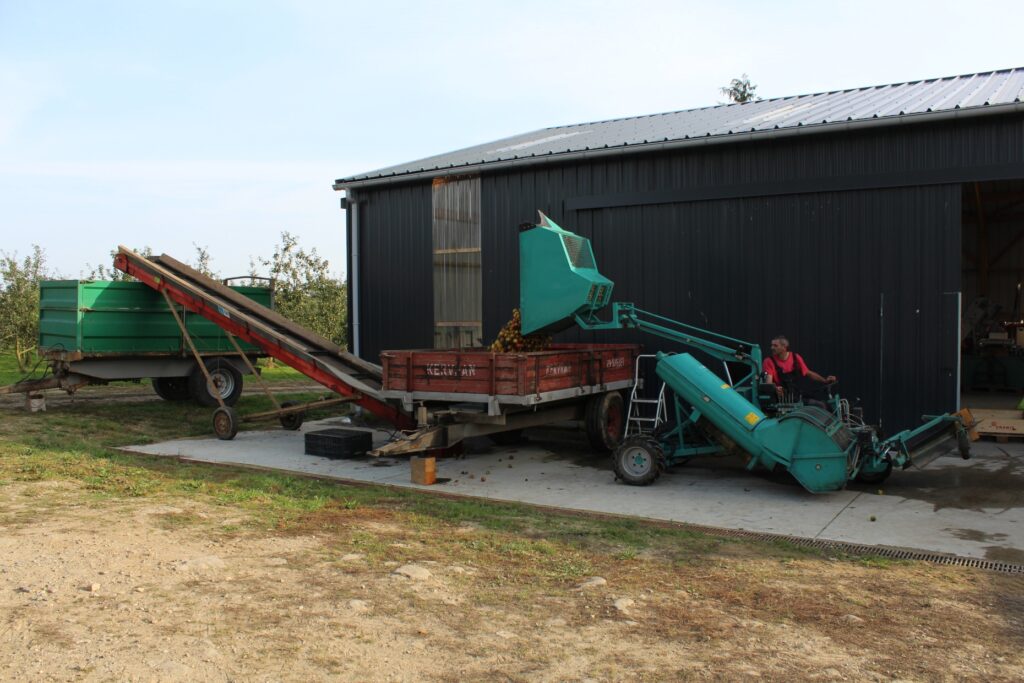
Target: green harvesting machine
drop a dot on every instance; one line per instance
(822, 446)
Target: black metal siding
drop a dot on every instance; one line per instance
(396, 276)
(848, 243)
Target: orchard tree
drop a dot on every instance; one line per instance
(19, 303)
(304, 289)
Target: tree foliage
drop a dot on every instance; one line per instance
(304, 289)
(740, 90)
(19, 303)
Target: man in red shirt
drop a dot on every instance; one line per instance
(789, 373)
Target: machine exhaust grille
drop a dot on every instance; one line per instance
(579, 252)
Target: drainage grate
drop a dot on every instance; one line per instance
(872, 550)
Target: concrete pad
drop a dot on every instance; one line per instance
(973, 508)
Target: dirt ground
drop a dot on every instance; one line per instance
(102, 588)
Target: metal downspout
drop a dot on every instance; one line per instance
(353, 206)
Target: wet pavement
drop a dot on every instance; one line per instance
(973, 508)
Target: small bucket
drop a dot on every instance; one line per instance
(35, 402)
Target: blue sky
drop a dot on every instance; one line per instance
(169, 124)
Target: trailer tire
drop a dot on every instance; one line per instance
(638, 461)
(225, 423)
(291, 421)
(874, 477)
(605, 421)
(225, 376)
(172, 388)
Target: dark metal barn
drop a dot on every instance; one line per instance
(860, 223)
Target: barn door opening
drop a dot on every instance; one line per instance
(992, 322)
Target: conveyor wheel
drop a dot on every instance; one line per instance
(605, 420)
(225, 423)
(638, 460)
(963, 443)
(291, 421)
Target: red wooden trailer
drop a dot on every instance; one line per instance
(525, 378)
(457, 393)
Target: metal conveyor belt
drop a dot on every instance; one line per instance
(298, 347)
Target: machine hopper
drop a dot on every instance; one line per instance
(558, 278)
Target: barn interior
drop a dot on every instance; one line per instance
(992, 282)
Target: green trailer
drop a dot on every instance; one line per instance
(93, 332)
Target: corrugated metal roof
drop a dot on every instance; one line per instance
(917, 100)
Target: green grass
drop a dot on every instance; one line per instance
(275, 371)
(9, 372)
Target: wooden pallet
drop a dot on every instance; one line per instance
(1001, 424)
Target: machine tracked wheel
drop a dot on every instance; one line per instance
(225, 423)
(291, 421)
(638, 461)
(171, 388)
(605, 421)
(226, 378)
(874, 477)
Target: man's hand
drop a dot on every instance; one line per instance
(831, 379)
(778, 390)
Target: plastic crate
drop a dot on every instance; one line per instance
(336, 443)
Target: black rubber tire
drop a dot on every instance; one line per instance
(509, 438)
(638, 461)
(291, 421)
(874, 477)
(225, 375)
(963, 443)
(605, 421)
(171, 388)
(225, 423)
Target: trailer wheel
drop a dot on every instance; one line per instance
(171, 388)
(875, 477)
(225, 423)
(291, 421)
(605, 420)
(638, 461)
(226, 378)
